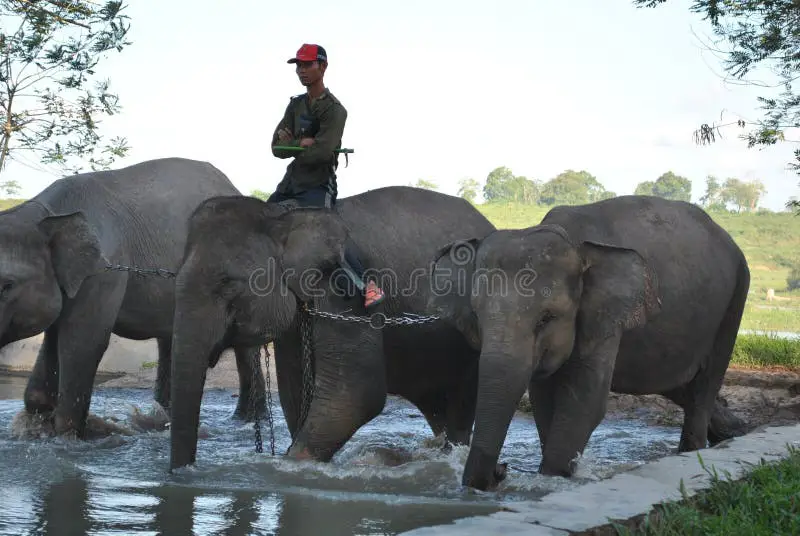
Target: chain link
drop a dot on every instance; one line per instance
(255, 364)
(307, 344)
(375, 320)
(141, 271)
(268, 389)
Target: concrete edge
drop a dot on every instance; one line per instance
(628, 494)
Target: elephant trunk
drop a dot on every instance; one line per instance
(505, 371)
(196, 336)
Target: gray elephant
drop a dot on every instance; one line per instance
(634, 294)
(249, 265)
(54, 254)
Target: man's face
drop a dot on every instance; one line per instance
(309, 72)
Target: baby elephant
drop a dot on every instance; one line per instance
(634, 294)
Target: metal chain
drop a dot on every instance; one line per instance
(376, 320)
(142, 271)
(307, 342)
(268, 389)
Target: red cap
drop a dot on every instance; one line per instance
(309, 53)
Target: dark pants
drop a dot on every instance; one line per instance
(321, 197)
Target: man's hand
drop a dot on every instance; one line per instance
(306, 142)
(284, 135)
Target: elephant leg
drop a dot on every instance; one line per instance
(41, 393)
(541, 393)
(349, 388)
(163, 386)
(580, 396)
(252, 386)
(289, 369)
(433, 407)
(462, 400)
(83, 336)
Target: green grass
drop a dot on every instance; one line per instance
(770, 242)
(766, 351)
(764, 502)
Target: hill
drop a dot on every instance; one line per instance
(770, 241)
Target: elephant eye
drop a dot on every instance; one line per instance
(5, 287)
(547, 316)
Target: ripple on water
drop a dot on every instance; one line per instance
(392, 475)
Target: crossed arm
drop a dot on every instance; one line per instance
(319, 149)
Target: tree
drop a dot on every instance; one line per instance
(573, 188)
(468, 189)
(713, 192)
(260, 194)
(428, 185)
(47, 64)
(743, 195)
(11, 187)
(668, 186)
(503, 185)
(757, 33)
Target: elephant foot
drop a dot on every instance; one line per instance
(66, 427)
(38, 401)
(566, 470)
(247, 413)
(482, 472)
(300, 454)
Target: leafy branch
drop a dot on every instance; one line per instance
(50, 101)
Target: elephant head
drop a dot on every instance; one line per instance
(247, 266)
(42, 258)
(525, 297)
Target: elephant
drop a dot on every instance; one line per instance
(55, 253)
(244, 280)
(633, 294)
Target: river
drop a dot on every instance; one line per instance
(391, 477)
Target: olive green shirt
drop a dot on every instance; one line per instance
(316, 165)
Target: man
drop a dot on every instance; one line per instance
(315, 121)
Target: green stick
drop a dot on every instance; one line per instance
(293, 148)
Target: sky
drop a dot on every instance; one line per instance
(439, 90)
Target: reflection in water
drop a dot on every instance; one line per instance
(390, 478)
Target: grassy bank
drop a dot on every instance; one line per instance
(766, 351)
(770, 242)
(766, 501)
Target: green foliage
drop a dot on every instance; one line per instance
(12, 188)
(573, 188)
(468, 189)
(744, 195)
(503, 185)
(766, 350)
(669, 186)
(260, 194)
(757, 33)
(765, 501)
(49, 53)
(427, 184)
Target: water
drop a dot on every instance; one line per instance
(391, 477)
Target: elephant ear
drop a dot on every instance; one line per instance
(311, 239)
(451, 277)
(74, 249)
(620, 289)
